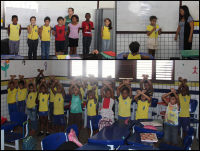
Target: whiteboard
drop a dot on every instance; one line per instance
(134, 15)
(193, 8)
(40, 9)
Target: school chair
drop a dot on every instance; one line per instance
(154, 102)
(74, 127)
(94, 124)
(133, 103)
(20, 118)
(162, 113)
(67, 99)
(187, 142)
(191, 132)
(53, 141)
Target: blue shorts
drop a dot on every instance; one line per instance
(123, 118)
(21, 106)
(43, 113)
(12, 108)
(88, 121)
(59, 120)
(184, 122)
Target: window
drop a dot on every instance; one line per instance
(91, 67)
(108, 68)
(144, 67)
(77, 67)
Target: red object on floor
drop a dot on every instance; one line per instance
(3, 119)
(110, 53)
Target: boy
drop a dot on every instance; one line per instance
(184, 97)
(33, 31)
(134, 48)
(45, 36)
(14, 32)
(143, 104)
(125, 99)
(87, 33)
(171, 118)
(11, 98)
(147, 85)
(22, 93)
(60, 32)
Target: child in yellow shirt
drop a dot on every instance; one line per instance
(43, 107)
(124, 93)
(11, 97)
(143, 100)
(105, 34)
(31, 105)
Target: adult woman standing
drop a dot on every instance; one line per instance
(185, 29)
(67, 20)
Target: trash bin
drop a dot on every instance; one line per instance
(5, 47)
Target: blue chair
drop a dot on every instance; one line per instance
(191, 132)
(154, 102)
(186, 145)
(53, 141)
(74, 127)
(94, 124)
(15, 137)
(193, 115)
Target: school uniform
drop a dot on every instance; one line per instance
(106, 38)
(152, 42)
(11, 100)
(33, 42)
(124, 110)
(89, 87)
(51, 103)
(45, 42)
(22, 93)
(14, 38)
(91, 111)
(43, 107)
(131, 56)
(142, 109)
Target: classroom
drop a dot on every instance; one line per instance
(121, 80)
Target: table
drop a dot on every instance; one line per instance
(189, 53)
(92, 146)
(121, 124)
(127, 147)
(139, 127)
(105, 56)
(135, 139)
(7, 126)
(15, 57)
(71, 57)
(120, 56)
(110, 136)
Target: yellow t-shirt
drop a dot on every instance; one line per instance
(142, 109)
(58, 104)
(46, 33)
(82, 93)
(124, 106)
(96, 91)
(22, 93)
(31, 99)
(130, 56)
(43, 105)
(106, 33)
(153, 34)
(34, 33)
(184, 104)
(91, 108)
(11, 97)
(14, 32)
(52, 96)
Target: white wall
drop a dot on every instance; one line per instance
(60, 68)
(1, 9)
(106, 4)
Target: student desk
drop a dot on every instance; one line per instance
(15, 57)
(121, 124)
(139, 127)
(92, 146)
(105, 56)
(7, 126)
(189, 53)
(135, 139)
(132, 147)
(110, 136)
(120, 56)
(73, 57)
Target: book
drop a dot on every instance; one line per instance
(154, 123)
(148, 137)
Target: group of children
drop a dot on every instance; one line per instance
(173, 120)
(59, 31)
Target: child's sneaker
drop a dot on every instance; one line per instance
(40, 134)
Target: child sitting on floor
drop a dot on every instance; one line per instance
(171, 118)
(143, 101)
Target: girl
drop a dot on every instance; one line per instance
(75, 115)
(125, 99)
(31, 106)
(43, 107)
(107, 101)
(92, 107)
(58, 108)
(22, 93)
(73, 29)
(143, 104)
(185, 29)
(93, 83)
(105, 34)
(153, 31)
(171, 118)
